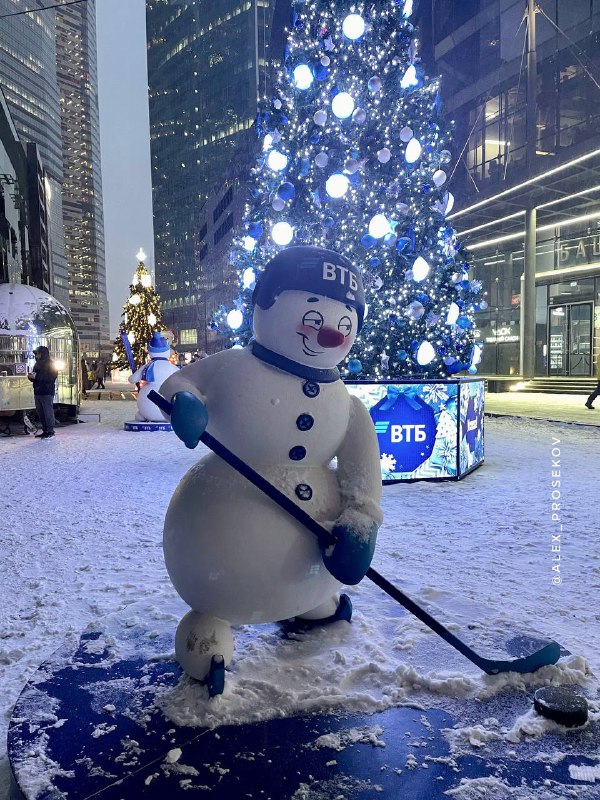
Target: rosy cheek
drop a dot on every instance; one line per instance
(305, 330)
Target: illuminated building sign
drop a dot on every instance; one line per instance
(427, 430)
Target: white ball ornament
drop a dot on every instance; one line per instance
(325, 61)
(413, 151)
(249, 243)
(336, 185)
(277, 161)
(235, 319)
(409, 78)
(278, 204)
(249, 278)
(342, 105)
(359, 116)
(321, 159)
(384, 155)
(351, 166)
(453, 313)
(483, 305)
(303, 76)
(320, 118)
(282, 233)
(439, 177)
(277, 104)
(406, 134)
(420, 269)
(374, 84)
(379, 226)
(353, 27)
(425, 353)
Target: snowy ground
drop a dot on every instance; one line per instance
(81, 540)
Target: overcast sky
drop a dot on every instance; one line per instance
(125, 144)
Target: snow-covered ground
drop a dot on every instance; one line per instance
(81, 540)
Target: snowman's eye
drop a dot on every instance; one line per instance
(345, 325)
(313, 319)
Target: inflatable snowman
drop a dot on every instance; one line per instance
(279, 404)
(154, 372)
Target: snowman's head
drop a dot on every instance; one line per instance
(158, 347)
(309, 306)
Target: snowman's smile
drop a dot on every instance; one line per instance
(305, 348)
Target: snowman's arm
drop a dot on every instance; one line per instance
(359, 477)
(358, 466)
(194, 378)
(137, 375)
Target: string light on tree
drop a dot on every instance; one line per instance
(353, 155)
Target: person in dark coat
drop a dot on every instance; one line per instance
(44, 377)
(100, 371)
(596, 392)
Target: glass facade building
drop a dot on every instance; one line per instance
(528, 159)
(82, 184)
(208, 62)
(29, 81)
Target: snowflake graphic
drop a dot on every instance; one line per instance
(435, 393)
(388, 464)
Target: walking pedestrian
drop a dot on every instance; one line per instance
(43, 376)
(100, 371)
(596, 392)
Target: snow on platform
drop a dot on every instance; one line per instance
(82, 544)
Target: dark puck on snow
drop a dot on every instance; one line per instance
(561, 704)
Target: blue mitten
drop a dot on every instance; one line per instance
(188, 418)
(350, 557)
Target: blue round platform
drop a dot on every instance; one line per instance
(147, 426)
(90, 724)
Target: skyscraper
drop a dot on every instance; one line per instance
(82, 186)
(207, 64)
(28, 78)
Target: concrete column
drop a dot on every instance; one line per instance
(527, 307)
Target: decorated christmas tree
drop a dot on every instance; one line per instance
(139, 320)
(355, 158)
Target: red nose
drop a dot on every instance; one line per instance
(329, 337)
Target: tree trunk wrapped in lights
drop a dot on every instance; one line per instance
(355, 158)
(139, 320)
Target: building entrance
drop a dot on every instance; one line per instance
(570, 336)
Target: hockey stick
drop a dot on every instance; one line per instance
(547, 653)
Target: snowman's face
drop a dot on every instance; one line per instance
(308, 328)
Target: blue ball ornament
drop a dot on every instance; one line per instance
(286, 191)
(354, 366)
(402, 355)
(457, 366)
(321, 72)
(464, 323)
(374, 262)
(368, 241)
(314, 139)
(328, 222)
(255, 230)
(472, 370)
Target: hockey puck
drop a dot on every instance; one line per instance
(561, 704)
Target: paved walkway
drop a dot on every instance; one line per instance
(556, 407)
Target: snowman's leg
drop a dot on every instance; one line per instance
(204, 647)
(334, 609)
(139, 417)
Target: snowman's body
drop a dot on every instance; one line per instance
(232, 553)
(154, 373)
(229, 549)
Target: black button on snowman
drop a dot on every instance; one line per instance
(233, 555)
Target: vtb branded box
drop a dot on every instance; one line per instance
(427, 429)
